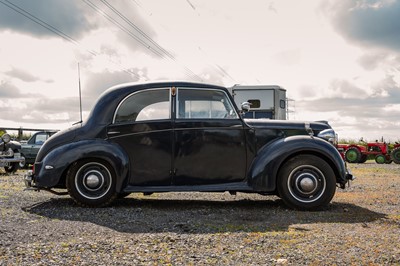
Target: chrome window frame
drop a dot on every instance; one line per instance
(204, 89)
(142, 91)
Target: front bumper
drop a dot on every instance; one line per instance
(349, 175)
(347, 178)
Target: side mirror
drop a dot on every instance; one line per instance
(245, 107)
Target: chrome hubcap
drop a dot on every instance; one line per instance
(306, 183)
(92, 181)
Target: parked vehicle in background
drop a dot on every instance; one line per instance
(10, 156)
(183, 136)
(359, 153)
(395, 154)
(266, 101)
(30, 149)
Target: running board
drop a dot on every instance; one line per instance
(194, 188)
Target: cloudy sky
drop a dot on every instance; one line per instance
(338, 60)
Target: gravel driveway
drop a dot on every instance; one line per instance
(361, 226)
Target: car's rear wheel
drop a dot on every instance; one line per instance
(91, 183)
(306, 182)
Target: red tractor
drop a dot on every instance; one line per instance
(355, 153)
(396, 153)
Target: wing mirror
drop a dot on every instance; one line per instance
(245, 107)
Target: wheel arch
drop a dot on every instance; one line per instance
(271, 158)
(62, 158)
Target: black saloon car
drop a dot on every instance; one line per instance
(183, 136)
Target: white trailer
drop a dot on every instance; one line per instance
(267, 101)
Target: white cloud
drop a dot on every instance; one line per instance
(348, 75)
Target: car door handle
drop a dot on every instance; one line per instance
(113, 132)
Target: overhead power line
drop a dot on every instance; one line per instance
(223, 72)
(40, 22)
(119, 25)
(56, 31)
(139, 35)
(142, 33)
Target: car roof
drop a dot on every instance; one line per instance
(104, 108)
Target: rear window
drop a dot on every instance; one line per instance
(143, 106)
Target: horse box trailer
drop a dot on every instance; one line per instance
(267, 101)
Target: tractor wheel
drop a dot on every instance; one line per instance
(352, 155)
(364, 158)
(380, 159)
(396, 155)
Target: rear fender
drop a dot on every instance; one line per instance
(50, 172)
(265, 167)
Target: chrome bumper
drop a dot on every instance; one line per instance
(28, 180)
(7, 161)
(349, 175)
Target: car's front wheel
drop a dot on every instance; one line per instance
(306, 182)
(91, 183)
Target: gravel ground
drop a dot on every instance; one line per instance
(360, 227)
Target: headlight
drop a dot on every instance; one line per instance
(329, 135)
(6, 138)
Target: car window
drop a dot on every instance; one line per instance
(211, 104)
(144, 105)
(40, 139)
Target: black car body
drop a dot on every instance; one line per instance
(183, 136)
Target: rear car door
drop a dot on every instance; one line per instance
(142, 126)
(209, 139)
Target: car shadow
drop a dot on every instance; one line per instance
(132, 215)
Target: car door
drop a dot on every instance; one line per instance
(142, 126)
(209, 139)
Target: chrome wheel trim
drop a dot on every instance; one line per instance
(306, 183)
(93, 180)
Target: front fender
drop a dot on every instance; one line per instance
(14, 145)
(265, 167)
(50, 171)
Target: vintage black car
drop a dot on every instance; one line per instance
(10, 156)
(183, 136)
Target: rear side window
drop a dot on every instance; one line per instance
(144, 106)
